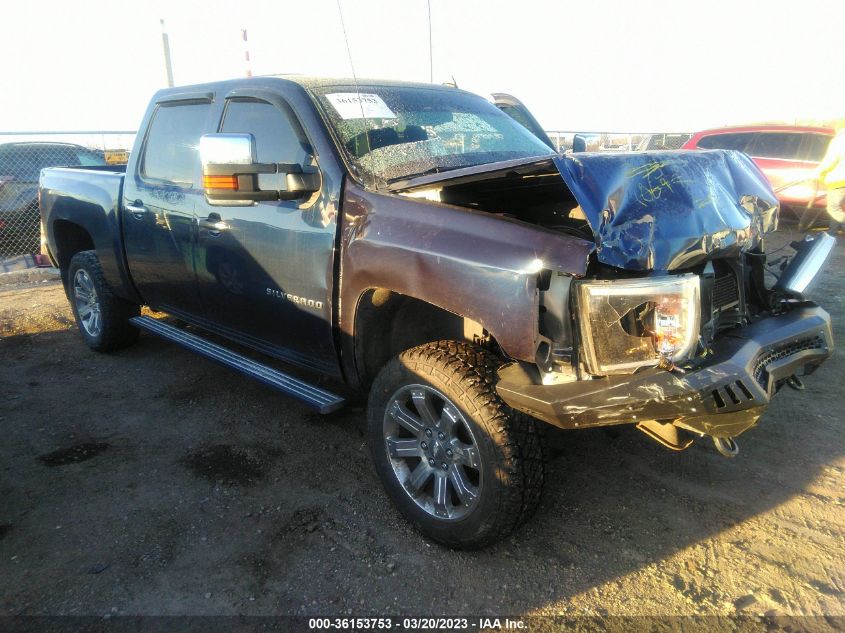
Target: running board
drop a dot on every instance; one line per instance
(323, 401)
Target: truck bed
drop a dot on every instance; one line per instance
(87, 197)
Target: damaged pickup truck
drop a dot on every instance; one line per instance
(423, 247)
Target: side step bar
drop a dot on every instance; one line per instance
(322, 400)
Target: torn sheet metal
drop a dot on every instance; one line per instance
(670, 210)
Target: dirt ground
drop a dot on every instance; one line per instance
(152, 481)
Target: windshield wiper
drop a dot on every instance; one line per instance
(433, 170)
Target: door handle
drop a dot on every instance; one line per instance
(213, 224)
(137, 209)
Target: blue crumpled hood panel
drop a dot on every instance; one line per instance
(670, 210)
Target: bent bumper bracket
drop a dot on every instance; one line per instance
(722, 398)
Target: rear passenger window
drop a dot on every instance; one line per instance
(170, 152)
(814, 147)
(791, 145)
(776, 145)
(739, 141)
(276, 138)
(90, 158)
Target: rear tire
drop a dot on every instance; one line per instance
(462, 467)
(102, 318)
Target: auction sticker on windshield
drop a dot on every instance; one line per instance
(355, 105)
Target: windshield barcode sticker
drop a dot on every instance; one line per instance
(350, 105)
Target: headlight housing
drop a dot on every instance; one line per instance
(631, 323)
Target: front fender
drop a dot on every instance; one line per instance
(471, 263)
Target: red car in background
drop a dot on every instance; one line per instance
(786, 154)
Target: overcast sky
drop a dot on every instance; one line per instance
(614, 65)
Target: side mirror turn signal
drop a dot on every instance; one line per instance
(230, 172)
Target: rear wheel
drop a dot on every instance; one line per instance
(102, 318)
(460, 465)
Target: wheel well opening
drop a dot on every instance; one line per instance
(387, 323)
(70, 240)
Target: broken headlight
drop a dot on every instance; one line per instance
(626, 324)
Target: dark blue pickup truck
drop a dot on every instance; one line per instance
(420, 245)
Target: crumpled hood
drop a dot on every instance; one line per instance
(670, 210)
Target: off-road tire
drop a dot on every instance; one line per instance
(511, 445)
(115, 332)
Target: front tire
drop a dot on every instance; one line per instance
(102, 318)
(462, 467)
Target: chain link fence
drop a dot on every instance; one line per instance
(617, 141)
(22, 157)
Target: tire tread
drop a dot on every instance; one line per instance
(520, 439)
(117, 331)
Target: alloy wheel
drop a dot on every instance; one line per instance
(87, 303)
(433, 452)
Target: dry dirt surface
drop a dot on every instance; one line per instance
(152, 481)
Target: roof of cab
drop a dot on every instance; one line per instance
(311, 82)
(307, 82)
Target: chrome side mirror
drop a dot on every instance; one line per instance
(230, 172)
(227, 149)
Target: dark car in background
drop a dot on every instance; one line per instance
(787, 155)
(20, 168)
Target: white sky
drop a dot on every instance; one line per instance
(612, 65)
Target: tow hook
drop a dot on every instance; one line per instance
(726, 446)
(795, 382)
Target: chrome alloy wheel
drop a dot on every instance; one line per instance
(87, 303)
(433, 452)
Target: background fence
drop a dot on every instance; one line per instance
(619, 141)
(22, 157)
(24, 154)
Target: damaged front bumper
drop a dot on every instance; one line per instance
(721, 397)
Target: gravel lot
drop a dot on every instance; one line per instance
(155, 482)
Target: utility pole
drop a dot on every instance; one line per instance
(430, 53)
(246, 53)
(166, 43)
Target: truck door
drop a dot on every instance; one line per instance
(159, 201)
(265, 270)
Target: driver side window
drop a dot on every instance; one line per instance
(276, 140)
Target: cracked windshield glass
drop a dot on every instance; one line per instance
(393, 133)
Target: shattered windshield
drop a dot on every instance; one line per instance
(391, 133)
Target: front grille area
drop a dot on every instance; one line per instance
(725, 292)
(731, 395)
(774, 354)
